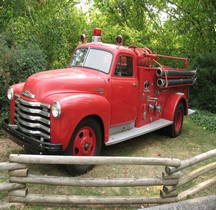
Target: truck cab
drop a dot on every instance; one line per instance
(107, 94)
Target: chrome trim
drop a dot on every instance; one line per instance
(33, 118)
(28, 94)
(33, 125)
(17, 95)
(37, 133)
(33, 111)
(180, 94)
(34, 104)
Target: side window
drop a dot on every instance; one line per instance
(124, 66)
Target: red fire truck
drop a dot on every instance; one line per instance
(107, 94)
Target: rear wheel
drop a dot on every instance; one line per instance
(175, 129)
(85, 141)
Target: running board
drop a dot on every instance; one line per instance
(135, 132)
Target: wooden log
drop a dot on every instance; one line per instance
(19, 172)
(19, 193)
(6, 166)
(11, 186)
(176, 175)
(197, 188)
(196, 173)
(168, 195)
(53, 159)
(91, 182)
(189, 177)
(90, 200)
(169, 189)
(191, 161)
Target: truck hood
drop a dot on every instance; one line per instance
(69, 80)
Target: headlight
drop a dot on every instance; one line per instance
(56, 109)
(10, 93)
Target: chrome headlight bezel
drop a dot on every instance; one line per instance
(10, 93)
(56, 109)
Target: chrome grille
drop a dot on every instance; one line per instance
(33, 118)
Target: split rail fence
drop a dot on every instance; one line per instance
(170, 180)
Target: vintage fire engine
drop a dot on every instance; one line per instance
(107, 94)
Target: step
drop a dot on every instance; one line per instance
(135, 132)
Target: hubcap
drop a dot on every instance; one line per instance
(84, 142)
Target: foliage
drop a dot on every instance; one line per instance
(5, 58)
(16, 64)
(205, 119)
(34, 36)
(54, 25)
(203, 92)
(39, 34)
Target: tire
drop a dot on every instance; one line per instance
(175, 129)
(85, 141)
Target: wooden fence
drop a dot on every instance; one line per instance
(170, 180)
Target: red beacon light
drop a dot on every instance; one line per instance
(97, 32)
(83, 38)
(97, 35)
(119, 40)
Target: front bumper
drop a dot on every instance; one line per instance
(31, 144)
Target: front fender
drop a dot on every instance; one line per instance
(74, 108)
(171, 104)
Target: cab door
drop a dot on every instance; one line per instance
(124, 91)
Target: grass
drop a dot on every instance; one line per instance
(195, 139)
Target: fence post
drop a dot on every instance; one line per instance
(169, 191)
(22, 192)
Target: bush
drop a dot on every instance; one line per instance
(205, 119)
(16, 64)
(203, 92)
(5, 59)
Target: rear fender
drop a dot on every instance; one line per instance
(171, 104)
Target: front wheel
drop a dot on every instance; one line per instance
(85, 141)
(175, 129)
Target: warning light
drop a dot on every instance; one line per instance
(97, 32)
(97, 35)
(83, 38)
(119, 40)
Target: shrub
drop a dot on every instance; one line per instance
(205, 119)
(16, 64)
(5, 59)
(203, 92)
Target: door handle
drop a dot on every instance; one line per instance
(135, 84)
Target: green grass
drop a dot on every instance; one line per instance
(195, 139)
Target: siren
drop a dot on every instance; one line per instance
(97, 35)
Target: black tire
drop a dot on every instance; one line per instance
(85, 141)
(175, 129)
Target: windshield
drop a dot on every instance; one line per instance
(92, 58)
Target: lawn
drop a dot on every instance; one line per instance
(195, 139)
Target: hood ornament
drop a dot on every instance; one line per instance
(28, 94)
